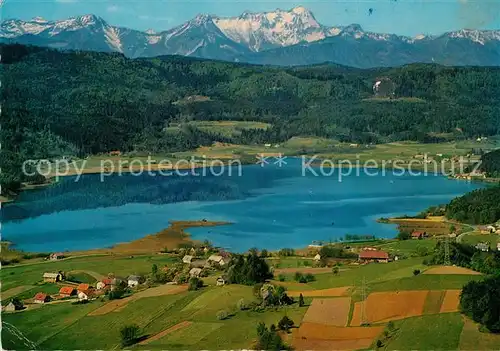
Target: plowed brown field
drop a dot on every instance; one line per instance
(329, 311)
(451, 301)
(386, 306)
(313, 336)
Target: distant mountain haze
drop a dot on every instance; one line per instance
(280, 37)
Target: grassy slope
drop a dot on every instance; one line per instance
(69, 324)
(434, 332)
(120, 266)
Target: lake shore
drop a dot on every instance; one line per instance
(169, 238)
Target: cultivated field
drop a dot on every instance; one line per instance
(172, 318)
(386, 306)
(329, 311)
(313, 336)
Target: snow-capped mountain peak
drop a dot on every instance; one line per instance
(260, 31)
(475, 35)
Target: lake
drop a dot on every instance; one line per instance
(270, 207)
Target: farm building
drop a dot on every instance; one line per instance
(217, 259)
(52, 277)
(85, 295)
(187, 259)
(10, 307)
(221, 281)
(133, 280)
(56, 256)
(41, 298)
(115, 153)
(485, 247)
(418, 235)
(195, 272)
(317, 257)
(83, 287)
(199, 263)
(498, 247)
(67, 291)
(373, 256)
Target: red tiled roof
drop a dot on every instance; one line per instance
(66, 290)
(40, 296)
(417, 234)
(377, 255)
(83, 287)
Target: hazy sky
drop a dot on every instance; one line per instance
(407, 17)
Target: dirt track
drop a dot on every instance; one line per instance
(160, 335)
(304, 270)
(450, 270)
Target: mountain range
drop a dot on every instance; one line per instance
(280, 37)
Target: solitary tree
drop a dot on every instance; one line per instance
(129, 334)
(154, 269)
(301, 300)
(335, 270)
(285, 323)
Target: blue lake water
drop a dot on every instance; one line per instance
(270, 207)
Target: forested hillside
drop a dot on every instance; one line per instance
(79, 103)
(490, 163)
(477, 207)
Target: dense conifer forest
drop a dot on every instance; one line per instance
(80, 103)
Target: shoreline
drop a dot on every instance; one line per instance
(172, 237)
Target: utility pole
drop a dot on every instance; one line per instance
(363, 302)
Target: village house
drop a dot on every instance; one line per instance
(199, 263)
(83, 287)
(195, 272)
(104, 284)
(187, 259)
(498, 247)
(115, 153)
(85, 295)
(485, 247)
(41, 298)
(217, 259)
(418, 235)
(67, 291)
(373, 256)
(56, 256)
(52, 277)
(10, 307)
(317, 257)
(221, 281)
(133, 280)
